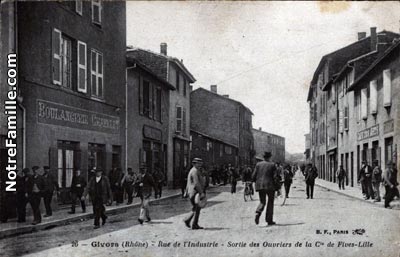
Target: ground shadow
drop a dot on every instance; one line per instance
(215, 229)
(283, 225)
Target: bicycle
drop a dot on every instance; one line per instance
(280, 195)
(248, 191)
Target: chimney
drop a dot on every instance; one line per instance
(213, 88)
(227, 96)
(374, 39)
(260, 128)
(163, 48)
(190, 89)
(361, 35)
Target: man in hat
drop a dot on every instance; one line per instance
(146, 185)
(50, 183)
(265, 177)
(390, 182)
(22, 196)
(128, 183)
(35, 187)
(195, 185)
(376, 179)
(311, 175)
(78, 185)
(100, 193)
(366, 180)
(341, 176)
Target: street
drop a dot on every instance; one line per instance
(325, 223)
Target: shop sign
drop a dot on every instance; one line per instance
(68, 116)
(388, 126)
(152, 133)
(367, 133)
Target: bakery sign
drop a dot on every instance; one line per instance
(68, 116)
(367, 133)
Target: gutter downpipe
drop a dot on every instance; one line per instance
(126, 114)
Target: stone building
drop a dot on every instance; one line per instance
(71, 70)
(264, 141)
(224, 121)
(175, 73)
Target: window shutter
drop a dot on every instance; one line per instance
(178, 119)
(341, 125)
(151, 100)
(93, 69)
(346, 118)
(78, 6)
(96, 11)
(82, 67)
(364, 97)
(56, 37)
(183, 121)
(100, 74)
(387, 88)
(373, 96)
(141, 95)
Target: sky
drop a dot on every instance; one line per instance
(262, 54)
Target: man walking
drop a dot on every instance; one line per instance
(159, 179)
(35, 186)
(22, 196)
(233, 175)
(376, 180)
(50, 184)
(116, 186)
(390, 182)
(100, 193)
(128, 182)
(195, 185)
(146, 185)
(288, 178)
(78, 185)
(341, 175)
(311, 175)
(265, 176)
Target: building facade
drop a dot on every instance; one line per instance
(267, 142)
(333, 112)
(71, 70)
(147, 117)
(224, 120)
(172, 70)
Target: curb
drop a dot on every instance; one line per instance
(68, 220)
(396, 204)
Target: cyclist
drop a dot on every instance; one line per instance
(247, 178)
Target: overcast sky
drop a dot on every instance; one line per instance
(260, 53)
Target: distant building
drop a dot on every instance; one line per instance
(224, 123)
(267, 142)
(175, 73)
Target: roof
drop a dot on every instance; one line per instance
(269, 134)
(217, 139)
(223, 97)
(132, 60)
(385, 55)
(166, 58)
(337, 59)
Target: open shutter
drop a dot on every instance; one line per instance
(141, 95)
(178, 119)
(82, 67)
(341, 124)
(373, 96)
(151, 111)
(387, 88)
(183, 121)
(78, 6)
(56, 49)
(364, 111)
(154, 91)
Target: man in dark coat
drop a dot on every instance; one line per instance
(115, 178)
(78, 185)
(390, 182)
(376, 179)
(159, 179)
(287, 178)
(128, 182)
(35, 186)
(366, 180)
(341, 175)
(265, 177)
(100, 193)
(311, 175)
(50, 183)
(22, 195)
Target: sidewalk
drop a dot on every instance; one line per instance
(62, 217)
(355, 192)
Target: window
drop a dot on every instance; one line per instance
(178, 119)
(78, 6)
(96, 11)
(158, 105)
(387, 88)
(82, 67)
(221, 150)
(145, 97)
(183, 130)
(97, 74)
(364, 103)
(208, 145)
(346, 118)
(62, 59)
(373, 90)
(177, 81)
(228, 150)
(184, 86)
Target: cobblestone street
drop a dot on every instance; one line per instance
(229, 223)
